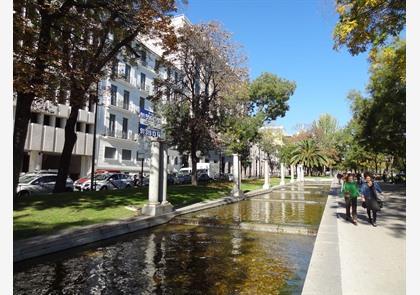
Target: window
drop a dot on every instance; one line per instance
(47, 120)
(141, 103)
(140, 156)
(127, 73)
(126, 99)
(111, 125)
(58, 121)
(126, 154)
(110, 152)
(34, 118)
(114, 69)
(113, 95)
(125, 128)
(143, 57)
(142, 81)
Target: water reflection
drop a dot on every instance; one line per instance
(177, 260)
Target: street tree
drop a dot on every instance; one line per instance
(91, 39)
(368, 23)
(196, 103)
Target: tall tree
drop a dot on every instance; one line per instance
(271, 142)
(364, 23)
(91, 39)
(380, 117)
(34, 59)
(196, 104)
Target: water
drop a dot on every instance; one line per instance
(188, 259)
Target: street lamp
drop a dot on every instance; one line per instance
(92, 173)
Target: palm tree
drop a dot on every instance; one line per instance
(308, 154)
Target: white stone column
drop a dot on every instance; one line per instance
(35, 161)
(266, 175)
(165, 174)
(154, 173)
(236, 191)
(292, 172)
(281, 173)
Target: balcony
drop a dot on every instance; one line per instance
(119, 134)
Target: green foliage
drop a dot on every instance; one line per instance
(364, 23)
(309, 154)
(269, 94)
(380, 118)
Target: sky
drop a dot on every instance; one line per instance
(292, 39)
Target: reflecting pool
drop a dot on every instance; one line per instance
(187, 259)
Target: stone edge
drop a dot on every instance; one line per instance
(324, 272)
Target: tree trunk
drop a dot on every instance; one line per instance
(70, 138)
(22, 117)
(194, 161)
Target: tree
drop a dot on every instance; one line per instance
(325, 132)
(271, 142)
(269, 94)
(91, 38)
(380, 117)
(34, 57)
(196, 104)
(364, 23)
(308, 154)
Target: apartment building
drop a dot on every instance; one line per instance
(45, 139)
(123, 113)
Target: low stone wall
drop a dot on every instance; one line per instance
(66, 239)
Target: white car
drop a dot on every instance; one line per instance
(109, 181)
(36, 183)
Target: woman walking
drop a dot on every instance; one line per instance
(351, 193)
(369, 196)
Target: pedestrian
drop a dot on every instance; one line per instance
(369, 191)
(135, 180)
(351, 192)
(339, 177)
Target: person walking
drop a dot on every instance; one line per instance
(369, 191)
(351, 192)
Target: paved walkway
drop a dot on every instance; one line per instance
(353, 260)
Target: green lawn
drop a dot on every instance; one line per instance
(45, 214)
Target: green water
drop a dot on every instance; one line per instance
(184, 259)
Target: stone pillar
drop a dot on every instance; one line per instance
(236, 191)
(282, 173)
(266, 175)
(35, 161)
(165, 174)
(292, 172)
(157, 181)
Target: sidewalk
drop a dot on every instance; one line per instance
(353, 260)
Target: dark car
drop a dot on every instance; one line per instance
(203, 178)
(184, 179)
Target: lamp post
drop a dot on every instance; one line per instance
(92, 173)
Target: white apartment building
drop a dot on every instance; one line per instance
(121, 109)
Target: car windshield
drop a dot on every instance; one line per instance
(101, 176)
(27, 178)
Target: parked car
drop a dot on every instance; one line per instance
(39, 183)
(184, 179)
(109, 181)
(204, 178)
